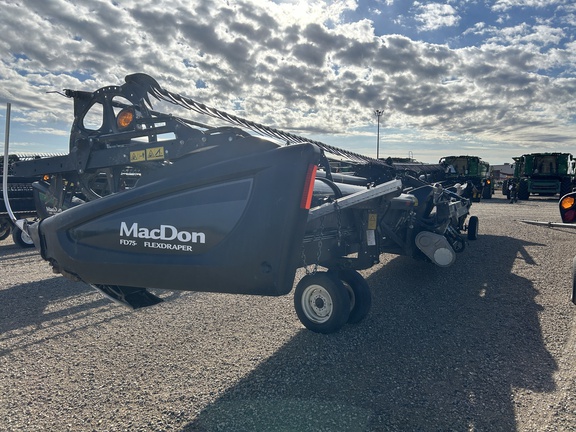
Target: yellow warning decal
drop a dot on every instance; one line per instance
(138, 156)
(372, 221)
(155, 153)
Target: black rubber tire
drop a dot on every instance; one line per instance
(5, 229)
(21, 239)
(41, 208)
(322, 302)
(565, 186)
(94, 185)
(523, 193)
(458, 245)
(47, 205)
(359, 292)
(473, 228)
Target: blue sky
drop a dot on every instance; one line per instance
(495, 79)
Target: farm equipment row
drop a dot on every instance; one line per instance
(545, 174)
(148, 200)
(20, 191)
(470, 174)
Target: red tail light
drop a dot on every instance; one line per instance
(308, 188)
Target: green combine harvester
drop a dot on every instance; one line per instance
(470, 169)
(545, 174)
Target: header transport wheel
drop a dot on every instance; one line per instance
(4, 229)
(473, 228)
(21, 238)
(322, 302)
(359, 292)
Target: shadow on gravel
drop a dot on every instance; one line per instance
(8, 250)
(533, 200)
(25, 305)
(29, 307)
(441, 350)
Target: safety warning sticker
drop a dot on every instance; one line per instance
(138, 156)
(154, 153)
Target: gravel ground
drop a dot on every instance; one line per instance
(488, 344)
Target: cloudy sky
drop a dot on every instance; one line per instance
(492, 78)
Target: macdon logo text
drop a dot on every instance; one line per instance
(164, 232)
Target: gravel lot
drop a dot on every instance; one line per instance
(488, 344)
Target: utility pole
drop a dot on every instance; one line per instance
(378, 113)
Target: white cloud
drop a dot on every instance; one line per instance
(436, 15)
(541, 35)
(293, 64)
(505, 5)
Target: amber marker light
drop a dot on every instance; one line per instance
(125, 118)
(567, 202)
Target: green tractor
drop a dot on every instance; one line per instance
(472, 170)
(545, 174)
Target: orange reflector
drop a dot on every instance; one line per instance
(567, 202)
(308, 187)
(125, 118)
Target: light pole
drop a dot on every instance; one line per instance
(378, 113)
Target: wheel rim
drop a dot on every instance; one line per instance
(26, 238)
(317, 304)
(458, 246)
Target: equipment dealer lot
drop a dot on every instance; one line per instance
(487, 344)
